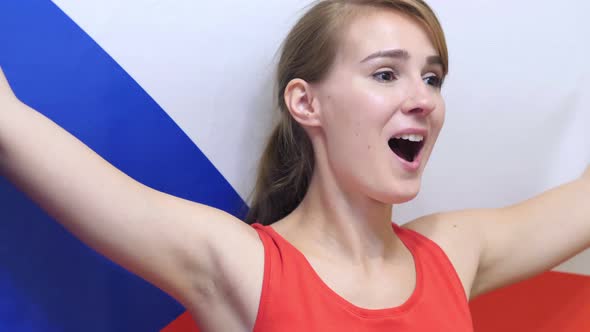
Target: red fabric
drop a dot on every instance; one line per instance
(295, 299)
(553, 301)
(184, 323)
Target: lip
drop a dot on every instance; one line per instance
(415, 165)
(410, 166)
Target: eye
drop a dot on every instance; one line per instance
(433, 80)
(385, 76)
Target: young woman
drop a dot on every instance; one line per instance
(361, 108)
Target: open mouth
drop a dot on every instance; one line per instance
(407, 147)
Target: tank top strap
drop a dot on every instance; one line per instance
(434, 258)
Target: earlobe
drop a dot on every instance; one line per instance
(300, 102)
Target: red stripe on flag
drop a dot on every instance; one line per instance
(184, 323)
(551, 302)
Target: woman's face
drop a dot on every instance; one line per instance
(381, 106)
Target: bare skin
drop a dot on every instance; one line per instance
(213, 263)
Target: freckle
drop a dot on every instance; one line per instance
(369, 147)
(454, 226)
(356, 134)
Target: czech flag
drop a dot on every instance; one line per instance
(178, 95)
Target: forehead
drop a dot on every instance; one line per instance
(384, 29)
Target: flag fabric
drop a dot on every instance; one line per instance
(179, 94)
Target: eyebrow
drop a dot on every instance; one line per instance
(402, 55)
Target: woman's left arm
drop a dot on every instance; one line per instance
(528, 238)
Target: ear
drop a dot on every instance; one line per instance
(302, 104)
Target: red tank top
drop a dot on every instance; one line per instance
(294, 298)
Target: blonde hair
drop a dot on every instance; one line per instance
(287, 163)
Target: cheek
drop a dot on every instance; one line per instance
(440, 116)
(363, 104)
(437, 120)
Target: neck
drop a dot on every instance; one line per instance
(340, 222)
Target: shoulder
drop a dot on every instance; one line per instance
(457, 237)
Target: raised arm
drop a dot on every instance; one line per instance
(180, 246)
(531, 237)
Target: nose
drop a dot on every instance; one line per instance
(420, 99)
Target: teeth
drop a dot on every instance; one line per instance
(411, 138)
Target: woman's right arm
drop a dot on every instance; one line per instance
(180, 246)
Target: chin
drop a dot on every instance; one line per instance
(399, 195)
(405, 200)
(405, 197)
